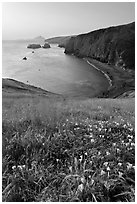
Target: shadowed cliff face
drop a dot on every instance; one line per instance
(114, 45)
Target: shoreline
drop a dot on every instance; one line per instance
(121, 82)
(106, 75)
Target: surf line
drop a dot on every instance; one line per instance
(108, 78)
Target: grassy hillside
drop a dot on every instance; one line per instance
(68, 149)
(15, 89)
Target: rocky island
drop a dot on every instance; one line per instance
(46, 45)
(34, 46)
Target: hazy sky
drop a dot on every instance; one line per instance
(28, 20)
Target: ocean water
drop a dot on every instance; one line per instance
(51, 70)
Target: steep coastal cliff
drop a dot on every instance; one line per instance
(113, 45)
(61, 41)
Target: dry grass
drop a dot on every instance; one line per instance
(68, 150)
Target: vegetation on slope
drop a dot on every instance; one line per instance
(68, 150)
(14, 88)
(113, 45)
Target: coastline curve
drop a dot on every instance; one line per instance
(106, 75)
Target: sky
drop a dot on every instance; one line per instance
(25, 20)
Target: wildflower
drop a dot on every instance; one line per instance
(91, 135)
(105, 163)
(102, 173)
(130, 136)
(20, 167)
(119, 164)
(107, 153)
(57, 160)
(129, 166)
(92, 181)
(131, 129)
(75, 162)
(81, 187)
(118, 150)
(91, 162)
(80, 158)
(70, 168)
(90, 125)
(83, 179)
(108, 169)
(109, 130)
(127, 144)
(92, 140)
(99, 153)
(130, 148)
(114, 144)
(120, 174)
(13, 167)
(129, 140)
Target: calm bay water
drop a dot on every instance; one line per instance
(51, 69)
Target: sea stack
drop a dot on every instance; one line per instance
(46, 45)
(24, 58)
(34, 46)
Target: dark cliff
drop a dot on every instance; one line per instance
(113, 45)
(61, 41)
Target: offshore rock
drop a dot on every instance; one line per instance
(34, 46)
(24, 58)
(46, 45)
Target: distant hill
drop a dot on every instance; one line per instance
(113, 45)
(39, 39)
(61, 41)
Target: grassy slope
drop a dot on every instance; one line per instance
(68, 150)
(11, 87)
